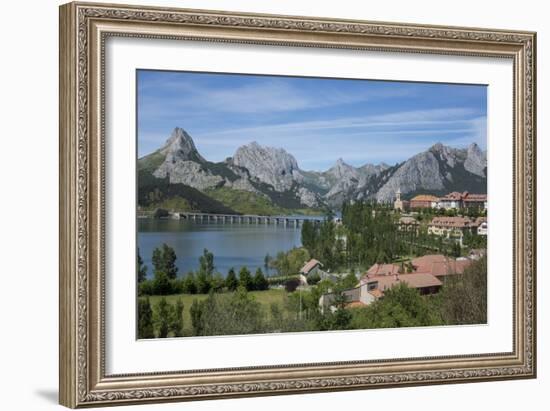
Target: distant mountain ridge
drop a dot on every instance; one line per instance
(273, 175)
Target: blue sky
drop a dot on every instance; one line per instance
(316, 120)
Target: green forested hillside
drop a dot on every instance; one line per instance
(245, 202)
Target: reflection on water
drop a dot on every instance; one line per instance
(234, 245)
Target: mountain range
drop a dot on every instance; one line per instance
(269, 180)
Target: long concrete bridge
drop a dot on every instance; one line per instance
(287, 221)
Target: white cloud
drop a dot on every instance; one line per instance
(267, 96)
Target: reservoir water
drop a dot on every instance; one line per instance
(233, 245)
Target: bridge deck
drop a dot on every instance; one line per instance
(237, 217)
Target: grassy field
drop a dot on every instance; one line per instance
(266, 298)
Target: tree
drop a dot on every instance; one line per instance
(341, 319)
(204, 275)
(160, 213)
(464, 297)
(281, 263)
(247, 314)
(267, 262)
(203, 282)
(231, 281)
(326, 241)
(145, 319)
(146, 287)
(196, 311)
(142, 269)
(260, 282)
(162, 284)
(245, 279)
(313, 278)
(296, 258)
(206, 262)
(189, 285)
(176, 325)
(164, 317)
(309, 234)
(349, 281)
(401, 307)
(456, 250)
(227, 314)
(164, 259)
(292, 284)
(276, 317)
(217, 282)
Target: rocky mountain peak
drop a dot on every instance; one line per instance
(183, 163)
(476, 160)
(342, 170)
(180, 146)
(437, 148)
(269, 171)
(269, 165)
(447, 154)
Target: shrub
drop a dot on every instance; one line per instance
(292, 284)
(161, 213)
(189, 285)
(231, 281)
(245, 279)
(162, 284)
(145, 319)
(146, 288)
(313, 278)
(260, 283)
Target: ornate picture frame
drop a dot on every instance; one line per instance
(84, 29)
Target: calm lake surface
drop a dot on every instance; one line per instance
(234, 245)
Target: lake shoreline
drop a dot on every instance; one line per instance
(234, 245)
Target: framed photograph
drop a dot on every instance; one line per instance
(260, 205)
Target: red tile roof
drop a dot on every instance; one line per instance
(408, 220)
(454, 196)
(310, 265)
(480, 220)
(475, 197)
(439, 265)
(383, 269)
(453, 222)
(424, 197)
(413, 280)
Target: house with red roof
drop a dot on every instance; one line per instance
(311, 267)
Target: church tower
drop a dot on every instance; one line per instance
(398, 204)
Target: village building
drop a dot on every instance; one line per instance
(425, 283)
(439, 265)
(313, 266)
(481, 223)
(372, 288)
(477, 253)
(424, 201)
(451, 201)
(400, 204)
(456, 200)
(450, 227)
(383, 269)
(429, 273)
(407, 223)
(478, 201)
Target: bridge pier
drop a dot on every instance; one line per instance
(245, 219)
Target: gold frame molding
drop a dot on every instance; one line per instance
(84, 27)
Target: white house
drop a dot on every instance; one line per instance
(482, 228)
